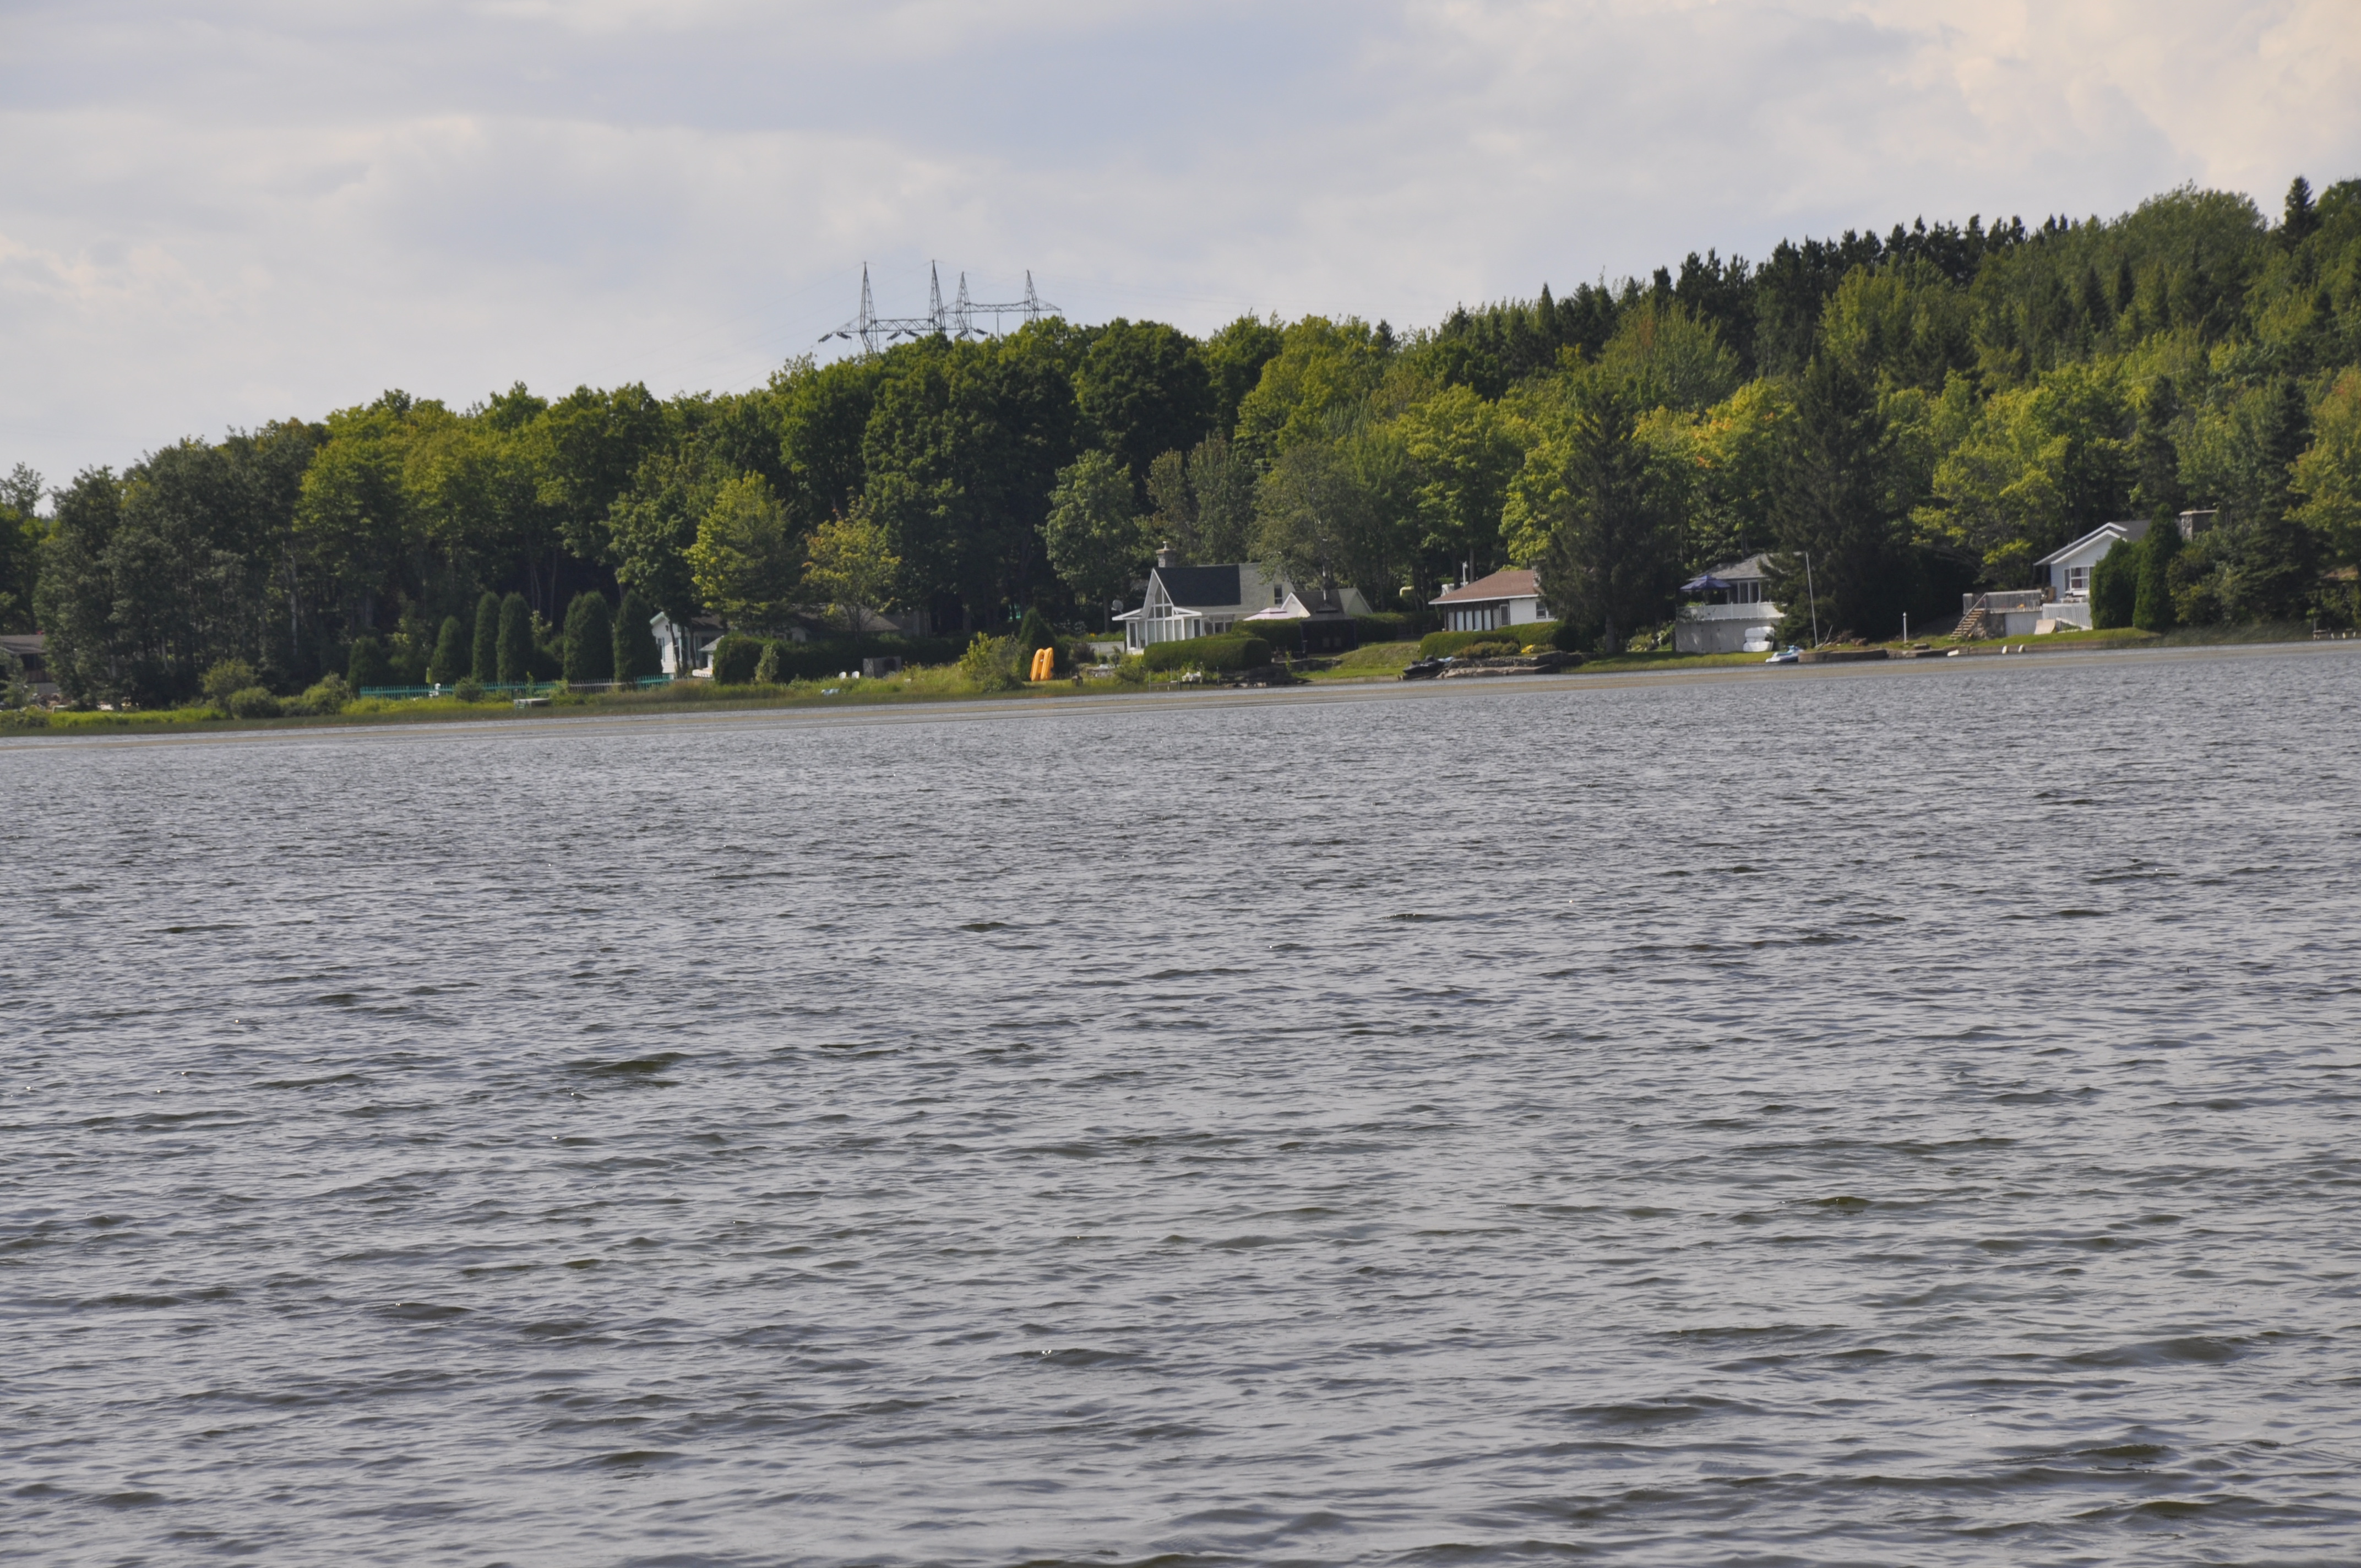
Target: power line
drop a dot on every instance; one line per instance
(872, 331)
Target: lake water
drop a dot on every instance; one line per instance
(1902, 1115)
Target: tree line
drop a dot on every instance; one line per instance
(1915, 414)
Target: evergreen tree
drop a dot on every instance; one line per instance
(2152, 604)
(766, 668)
(2156, 459)
(636, 653)
(589, 640)
(450, 661)
(2115, 586)
(514, 664)
(1612, 555)
(2301, 219)
(1840, 543)
(368, 666)
(1033, 635)
(487, 666)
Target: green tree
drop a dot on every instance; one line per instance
(20, 553)
(1333, 511)
(1840, 543)
(2152, 606)
(1142, 390)
(514, 663)
(590, 645)
(450, 661)
(636, 654)
(745, 560)
(367, 667)
(1612, 558)
(1096, 542)
(485, 664)
(851, 568)
(1233, 359)
(2115, 585)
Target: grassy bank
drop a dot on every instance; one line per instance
(1376, 662)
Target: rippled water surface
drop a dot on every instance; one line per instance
(1895, 1117)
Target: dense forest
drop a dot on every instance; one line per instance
(1920, 413)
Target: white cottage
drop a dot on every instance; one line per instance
(1183, 602)
(1510, 597)
(1733, 612)
(685, 648)
(2069, 571)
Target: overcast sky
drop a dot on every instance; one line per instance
(217, 213)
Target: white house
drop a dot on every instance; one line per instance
(1733, 612)
(1183, 602)
(2069, 571)
(685, 649)
(1510, 597)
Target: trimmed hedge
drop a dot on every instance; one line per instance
(1231, 651)
(735, 656)
(1441, 644)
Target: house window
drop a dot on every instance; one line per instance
(2078, 581)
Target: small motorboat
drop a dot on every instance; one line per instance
(1790, 654)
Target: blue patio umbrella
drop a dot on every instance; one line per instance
(1704, 583)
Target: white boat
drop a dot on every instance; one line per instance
(1787, 655)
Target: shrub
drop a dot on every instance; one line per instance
(253, 702)
(2114, 586)
(229, 676)
(1230, 651)
(588, 646)
(327, 694)
(766, 668)
(485, 664)
(992, 663)
(1131, 671)
(450, 660)
(2152, 606)
(513, 661)
(368, 666)
(734, 658)
(1390, 626)
(469, 689)
(636, 654)
(1445, 644)
(1033, 635)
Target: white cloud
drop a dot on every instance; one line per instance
(236, 211)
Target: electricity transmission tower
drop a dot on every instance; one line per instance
(873, 331)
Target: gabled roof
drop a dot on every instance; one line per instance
(1753, 567)
(2133, 531)
(1516, 583)
(1192, 586)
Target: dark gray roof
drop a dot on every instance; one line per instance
(1190, 587)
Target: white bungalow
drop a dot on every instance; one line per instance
(1733, 613)
(685, 649)
(2068, 570)
(1510, 597)
(1183, 602)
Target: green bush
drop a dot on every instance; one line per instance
(515, 661)
(1392, 626)
(636, 654)
(485, 666)
(588, 646)
(766, 668)
(993, 663)
(468, 689)
(229, 676)
(253, 702)
(734, 658)
(2152, 602)
(1445, 644)
(1230, 651)
(2114, 586)
(368, 666)
(327, 694)
(450, 661)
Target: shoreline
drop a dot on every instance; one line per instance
(923, 709)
